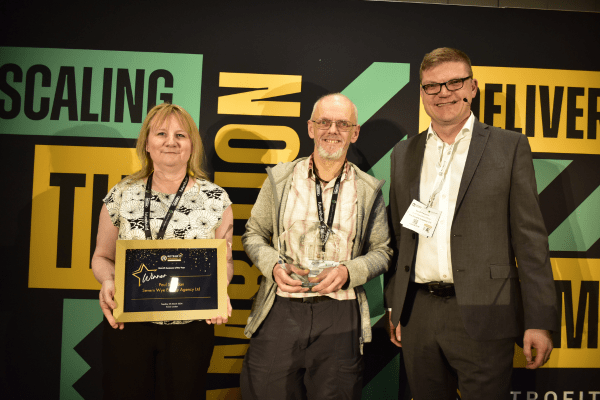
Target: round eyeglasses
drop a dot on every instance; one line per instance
(452, 85)
(342, 126)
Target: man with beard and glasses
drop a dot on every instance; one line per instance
(318, 232)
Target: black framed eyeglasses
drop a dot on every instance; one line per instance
(343, 126)
(452, 85)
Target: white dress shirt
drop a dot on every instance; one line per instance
(434, 262)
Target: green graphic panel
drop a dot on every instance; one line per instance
(385, 385)
(581, 230)
(370, 91)
(376, 86)
(381, 170)
(80, 317)
(547, 170)
(374, 289)
(92, 93)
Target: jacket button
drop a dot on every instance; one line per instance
(406, 268)
(414, 235)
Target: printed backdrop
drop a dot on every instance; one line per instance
(76, 83)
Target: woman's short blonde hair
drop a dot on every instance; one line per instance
(156, 116)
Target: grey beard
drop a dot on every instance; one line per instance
(324, 154)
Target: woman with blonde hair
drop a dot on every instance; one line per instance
(168, 359)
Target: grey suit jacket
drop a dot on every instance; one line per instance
(497, 220)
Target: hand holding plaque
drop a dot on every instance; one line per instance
(108, 304)
(219, 319)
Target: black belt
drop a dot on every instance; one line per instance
(309, 300)
(440, 289)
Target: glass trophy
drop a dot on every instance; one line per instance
(317, 259)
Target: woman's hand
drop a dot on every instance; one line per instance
(225, 231)
(218, 320)
(107, 303)
(103, 265)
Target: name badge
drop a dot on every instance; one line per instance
(421, 219)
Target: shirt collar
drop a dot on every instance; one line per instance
(465, 132)
(310, 169)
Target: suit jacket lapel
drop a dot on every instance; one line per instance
(478, 141)
(417, 153)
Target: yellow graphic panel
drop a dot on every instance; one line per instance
(257, 133)
(234, 328)
(224, 394)
(251, 275)
(72, 171)
(559, 110)
(239, 180)
(573, 274)
(249, 103)
(228, 359)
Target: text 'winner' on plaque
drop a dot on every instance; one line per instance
(167, 280)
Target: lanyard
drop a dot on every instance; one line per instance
(442, 171)
(148, 197)
(325, 229)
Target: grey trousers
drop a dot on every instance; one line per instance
(303, 351)
(441, 357)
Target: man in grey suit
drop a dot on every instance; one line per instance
(465, 212)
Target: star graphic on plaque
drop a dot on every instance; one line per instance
(140, 270)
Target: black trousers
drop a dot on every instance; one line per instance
(305, 350)
(150, 361)
(440, 356)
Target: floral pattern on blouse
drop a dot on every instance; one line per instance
(197, 215)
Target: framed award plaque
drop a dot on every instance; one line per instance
(168, 280)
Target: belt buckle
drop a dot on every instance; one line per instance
(432, 286)
(440, 289)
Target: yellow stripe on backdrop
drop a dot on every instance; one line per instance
(560, 108)
(68, 163)
(571, 275)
